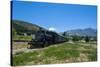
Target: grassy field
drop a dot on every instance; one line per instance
(58, 53)
(22, 37)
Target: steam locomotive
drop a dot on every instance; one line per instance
(45, 38)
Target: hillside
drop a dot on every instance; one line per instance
(83, 32)
(24, 27)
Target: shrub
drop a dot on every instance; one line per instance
(87, 39)
(75, 38)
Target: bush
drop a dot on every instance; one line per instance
(87, 39)
(75, 38)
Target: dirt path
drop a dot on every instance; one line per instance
(20, 47)
(23, 50)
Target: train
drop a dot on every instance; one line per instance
(45, 38)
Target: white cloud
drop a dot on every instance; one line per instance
(52, 29)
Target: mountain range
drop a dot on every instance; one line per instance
(82, 32)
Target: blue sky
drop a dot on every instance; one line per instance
(60, 17)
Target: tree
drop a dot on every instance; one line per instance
(75, 38)
(95, 38)
(86, 39)
(64, 34)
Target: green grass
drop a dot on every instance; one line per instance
(23, 58)
(59, 53)
(22, 37)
